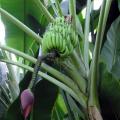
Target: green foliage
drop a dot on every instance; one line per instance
(73, 74)
(60, 36)
(111, 49)
(59, 110)
(13, 33)
(109, 94)
(24, 14)
(110, 78)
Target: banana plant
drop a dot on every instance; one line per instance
(76, 73)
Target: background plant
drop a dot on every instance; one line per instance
(80, 76)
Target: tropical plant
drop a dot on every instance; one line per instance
(65, 76)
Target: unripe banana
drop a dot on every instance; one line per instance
(64, 33)
(66, 52)
(59, 36)
(60, 42)
(57, 41)
(49, 42)
(53, 40)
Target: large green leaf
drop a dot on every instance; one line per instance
(110, 84)
(14, 36)
(26, 12)
(111, 49)
(109, 94)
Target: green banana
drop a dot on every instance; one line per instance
(59, 36)
(57, 41)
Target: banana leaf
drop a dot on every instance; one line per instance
(110, 80)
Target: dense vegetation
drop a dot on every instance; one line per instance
(80, 81)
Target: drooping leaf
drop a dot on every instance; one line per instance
(110, 85)
(111, 49)
(13, 34)
(109, 94)
(23, 10)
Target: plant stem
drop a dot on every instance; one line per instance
(70, 115)
(21, 25)
(86, 40)
(17, 52)
(79, 28)
(77, 61)
(72, 108)
(54, 8)
(51, 79)
(58, 8)
(71, 70)
(57, 113)
(72, 8)
(63, 78)
(93, 98)
(50, 70)
(44, 11)
(108, 4)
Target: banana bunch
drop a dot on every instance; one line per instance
(59, 36)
